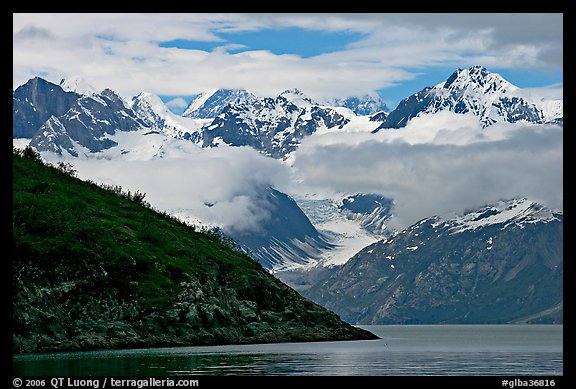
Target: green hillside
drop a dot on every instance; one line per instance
(98, 268)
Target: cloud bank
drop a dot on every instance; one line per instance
(218, 187)
(438, 165)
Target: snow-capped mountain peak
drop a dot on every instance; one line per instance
(152, 110)
(516, 212)
(154, 102)
(273, 126)
(482, 93)
(87, 125)
(211, 103)
(361, 105)
(79, 85)
(479, 80)
(199, 101)
(296, 97)
(502, 263)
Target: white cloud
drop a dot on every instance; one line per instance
(551, 92)
(177, 104)
(220, 186)
(121, 50)
(31, 32)
(429, 173)
(231, 47)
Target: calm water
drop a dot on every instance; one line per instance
(402, 351)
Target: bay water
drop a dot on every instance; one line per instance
(402, 350)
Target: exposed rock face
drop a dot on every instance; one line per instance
(210, 104)
(35, 102)
(372, 211)
(286, 238)
(88, 123)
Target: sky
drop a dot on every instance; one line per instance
(178, 56)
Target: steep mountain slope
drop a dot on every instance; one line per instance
(74, 118)
(35, 102)
(500, 264)
(286, 238)
(348, 223)
(87, 125)
(273, 126)
(211, 103)
(155, 114)
(485, 94)
(95, 268)
(361, 105)
(104, 126)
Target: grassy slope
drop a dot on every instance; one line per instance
(92, 269)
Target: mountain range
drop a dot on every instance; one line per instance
(274, 126)
(73, 120)
(366, 105)
(86, 125)
(211, 103)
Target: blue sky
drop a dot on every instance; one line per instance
(291, 40)
(325, 55)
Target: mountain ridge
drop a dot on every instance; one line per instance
(275, 126)
(34, 102)
(152, 110)
(211, 103)
(87, 123)
(467, 270)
